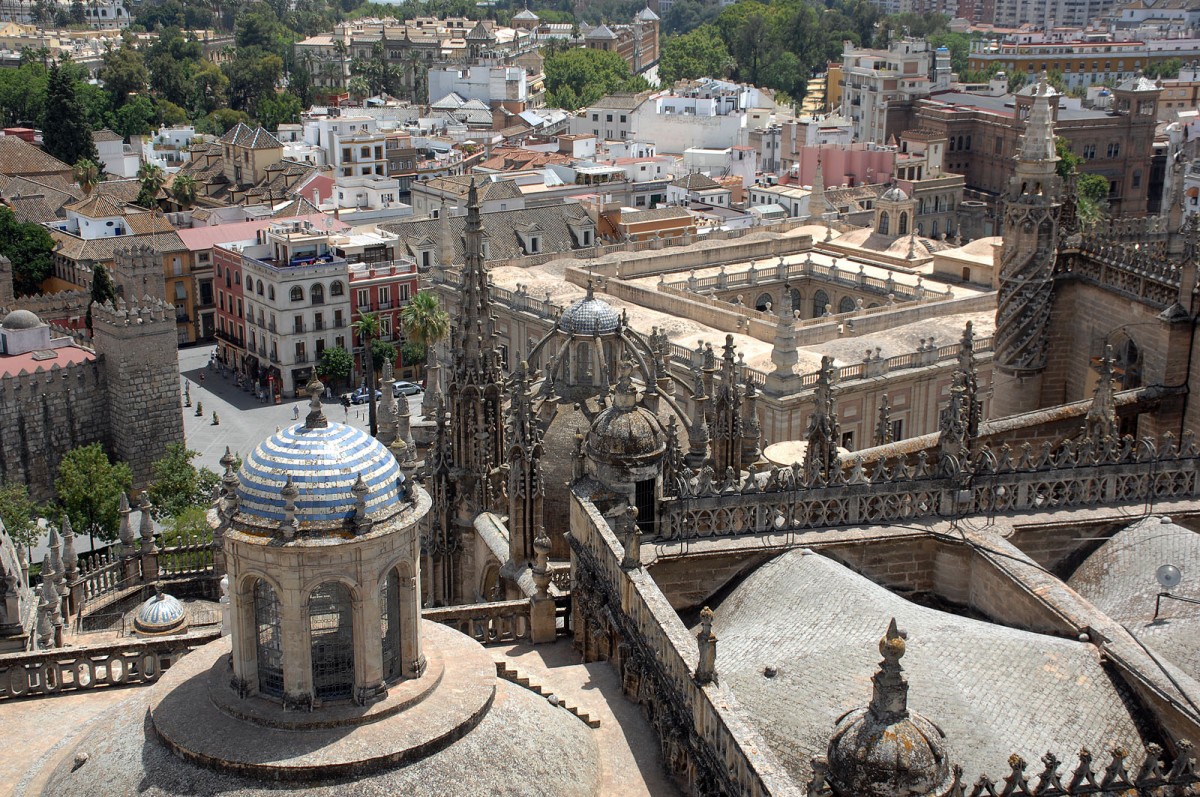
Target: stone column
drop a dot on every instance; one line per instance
(297, 649)
(149, 549)
(541, 606)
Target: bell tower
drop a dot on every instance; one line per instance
(1026, 290)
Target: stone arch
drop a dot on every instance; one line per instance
(297, 294)
(902, 225)
(820, 299)
(489, 582)
(796, 299)
(259, 288)
(390, 625)
(336, 288)
(331, 640)
(884, 223)
(846, 305)
(317, 293)
(763, 300)
(1127, 357)
(271, 292)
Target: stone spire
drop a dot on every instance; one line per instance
(70, 557)
(476, 387)
(526, 489)
(883, 427)
(445, 238)
(970, 370)
(125, 533)
(148, 549)
(1030, 234)
(56, 561)
(387, 408)
(952, 434)
(727, 420)
(824, 431)
(697, 454)
(817, 204)
(289, 494)
(784, 354)
(751, 428)
(1101, 423)
(316, 415)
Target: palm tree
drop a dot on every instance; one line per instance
(359, 88)
(87, 175)
(424, 320)
(152, 178)
(183, 190)
(368, 329)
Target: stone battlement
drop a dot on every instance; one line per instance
(148, 311)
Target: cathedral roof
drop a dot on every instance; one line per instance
(323, 464)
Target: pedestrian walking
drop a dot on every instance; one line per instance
(295, 412)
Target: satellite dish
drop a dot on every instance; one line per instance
(1168, 576)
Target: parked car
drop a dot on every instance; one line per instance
(361, 396)
(406, 389)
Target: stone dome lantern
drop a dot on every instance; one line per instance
(322, 546)
(884, 750)
(589, 333)
(625, 447)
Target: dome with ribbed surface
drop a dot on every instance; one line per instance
(324, 463)
(162, 614)
(589, 316)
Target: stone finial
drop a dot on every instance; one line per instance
(883, 427)
(289, 494)
(362, 521)
(889, 699)
(56, 559)
(126, 530)
(1101, 422)
(146, 528)
(70, 557)
(631, 535)
(541, 565)
(706, 641)
(316, 416)
(824, 430)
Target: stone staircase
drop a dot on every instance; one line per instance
(514, 675)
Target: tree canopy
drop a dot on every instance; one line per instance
(66, 133)
(579, 77)
(700, 53)
(424, 320)
(19, 514)
(178, 484)
(335, 363)
(29, 247)
(89, 488)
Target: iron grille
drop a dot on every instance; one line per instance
(330, 628)
(389, 622)
(270, 640)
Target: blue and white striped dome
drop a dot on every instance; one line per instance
(162, 614)
(324, 464)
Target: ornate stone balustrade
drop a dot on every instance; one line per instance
(132, 661)
(1141, 271)
(905, 489)
(487, 623)
(808, 269)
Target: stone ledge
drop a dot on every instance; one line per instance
(268, 713)
(196, 730)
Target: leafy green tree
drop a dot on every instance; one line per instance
(178, 484)
(700, 53)
(66, 134)
(209, 87)
(1165, 69)
(336, 364)
(252, 75)
(189, 525)
(124, 73)
(89, 489)
(577, 78)
(1068, 161)
(19, 514)
(382, 352)
(136, 117)
(23, 93)
(424, 320)
(368, 329)
(103, 290)
(358, 88)
(171, 114)
(220, 121)
(97, 107)
(413, 353)
(29, 247)
(279, 109)
(959, 45)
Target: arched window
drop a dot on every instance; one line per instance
(331, 634)
(268, 640)
(317, 293)
(933, 230)
(846, 305)
(884, 223)
(902, 227)
(297, 294)
(228, 281)
(271, 292)
(820, 299)
(762, 301)
(336, 288)
(259, 289)
(796, 299)
(237, 278)
(966, 273)
(389, 624)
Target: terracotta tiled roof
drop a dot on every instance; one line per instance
(242, 135)
(101, 249)
(97, 206)
(18, 156)
(146, 223)
(105, 134)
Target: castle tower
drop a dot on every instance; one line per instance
(141, 369)
(138, 272)
(1027, 264)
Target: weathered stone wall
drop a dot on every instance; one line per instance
(44, 415)
(690, 581)
(142, 369)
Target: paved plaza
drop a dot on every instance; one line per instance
(245, 421)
